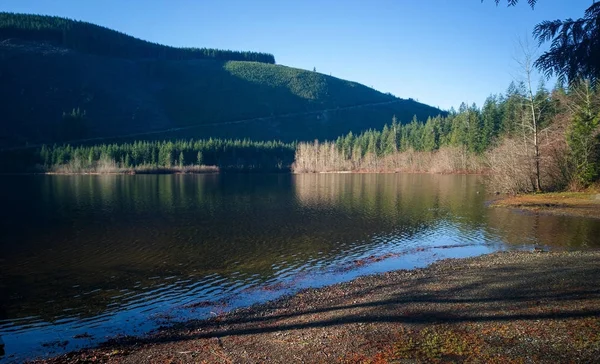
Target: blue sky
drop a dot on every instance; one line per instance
(441, 52)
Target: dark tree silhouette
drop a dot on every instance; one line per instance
(575, 46)
(90, 38)
(574, 52)
(514, 2)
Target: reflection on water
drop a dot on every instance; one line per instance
(84, 257)
(552, 231)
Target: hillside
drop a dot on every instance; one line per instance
(55, 90)
(94, 39)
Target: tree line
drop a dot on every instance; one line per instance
(473, 128)
(527, 140)
(90, 38)
(243, 155)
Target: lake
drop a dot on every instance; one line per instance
(86, 258)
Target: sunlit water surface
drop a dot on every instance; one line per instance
(86, 258)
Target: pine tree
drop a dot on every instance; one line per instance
(581, 136)
(181, 160)
(90, 158)
(491, 118)
(430, 140)
(127, 162)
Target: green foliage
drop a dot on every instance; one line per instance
(574, 52)
(98, 40)
(224, 100)
(491, 115)
(512, 109)
(574, 46)
(431, 135)
(322, 90)
(181, 159)
(476, 130)
(416, 135)
(583, 144)
(226, 154)
(470, 128)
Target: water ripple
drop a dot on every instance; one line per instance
(94, 256)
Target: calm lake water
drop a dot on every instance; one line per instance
(86, 258)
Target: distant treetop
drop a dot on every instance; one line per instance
(90, 38)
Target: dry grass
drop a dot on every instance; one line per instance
(113, 168)
(580, 204)
(175, 169)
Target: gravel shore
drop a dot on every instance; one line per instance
(503, 307)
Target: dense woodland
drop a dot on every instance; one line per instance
(528, 139)
(558, 148)
(94, 39)
(507, 138)
(157, 156)
(208, 98)
(41, 85)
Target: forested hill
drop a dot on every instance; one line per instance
(94, 39)
(62, 80)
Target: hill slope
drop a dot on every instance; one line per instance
(94, 39)
(54, 93)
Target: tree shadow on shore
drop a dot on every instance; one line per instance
(444, 294)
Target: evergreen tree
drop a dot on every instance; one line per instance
(430, 136)
(491, 118)
(181, 160)
(348, 145)
(581, 136)
(372, 143)
(474, 130)
(512, 112)
(390, 142)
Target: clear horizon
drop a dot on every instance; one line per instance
(436, 52)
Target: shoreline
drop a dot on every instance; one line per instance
(192, 169)
(575, 204)
(502, 307)
(457, 173)
(217, 170)
(133, 171)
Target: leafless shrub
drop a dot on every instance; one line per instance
(324, 157)
(511, 167)
(319, 157)
(512, 164)
(109, 166)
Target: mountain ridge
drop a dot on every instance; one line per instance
(55, 94)
(96, 39)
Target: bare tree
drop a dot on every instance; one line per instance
(530, 121)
